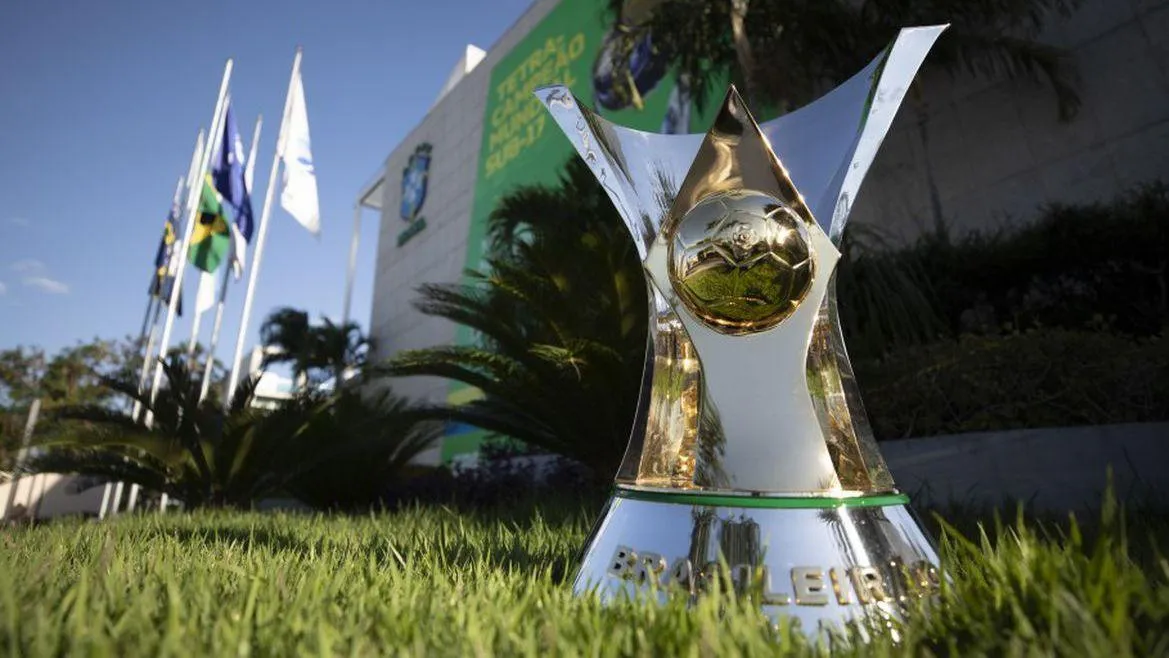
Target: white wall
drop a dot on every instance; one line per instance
(1052, 469)
(454, 127)
(998, 151)
(50, 495)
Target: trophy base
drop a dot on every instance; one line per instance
(819, 560)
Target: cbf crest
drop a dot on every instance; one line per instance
(414, 184)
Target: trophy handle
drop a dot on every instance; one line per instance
(827, 161)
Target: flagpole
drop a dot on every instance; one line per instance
(233, 378)
(205, 385)
(197, 320)
(147, 348)
(192, 209)
(146, 358)
(352, 264)
(152, 306)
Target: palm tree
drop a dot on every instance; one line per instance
(339, 348)
(784, 53)
(289, 331)
(316, 352)
(561, 319)
(171, 455)
(206, 455)
(372, 439)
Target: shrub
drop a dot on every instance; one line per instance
(1037, 378)
(1073, 267)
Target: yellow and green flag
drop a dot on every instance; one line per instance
(211, 239)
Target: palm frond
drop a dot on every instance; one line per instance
(104, 463)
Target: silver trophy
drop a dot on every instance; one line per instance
(750, 447)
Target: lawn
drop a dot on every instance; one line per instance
(438, 581)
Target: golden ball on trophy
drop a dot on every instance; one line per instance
(741, 262)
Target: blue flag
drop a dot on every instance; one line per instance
(162, 283)
(228, 174)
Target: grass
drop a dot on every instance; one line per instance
(436, 581)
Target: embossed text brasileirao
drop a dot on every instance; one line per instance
(809, 585)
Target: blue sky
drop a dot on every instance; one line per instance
(100, 103)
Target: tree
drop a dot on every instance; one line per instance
(316, 352)
(784, 53)
(21, 371)
(196, 364)
(340, 348)
(72, 376)
(206, 455)
(288, 331)
(561, 313)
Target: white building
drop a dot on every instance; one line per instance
(993, 150)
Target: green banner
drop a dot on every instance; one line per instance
(523, 146)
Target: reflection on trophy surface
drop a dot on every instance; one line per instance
(751, 448)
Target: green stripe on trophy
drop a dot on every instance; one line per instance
(762, 502)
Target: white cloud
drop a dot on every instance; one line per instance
(35, 274)
(45, 284)
(3, 289)
(19, 221)
(29, 266)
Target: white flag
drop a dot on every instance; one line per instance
(239, 250)
(299, 197)
(205, 298)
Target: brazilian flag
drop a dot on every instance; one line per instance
(211, 239)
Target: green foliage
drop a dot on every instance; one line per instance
(73, 376)
(561, 315)
(1092, 265)
(429, 581)
(794, 50)
(885, 300)
(362, 443)
(11, 434)
(1056, 322)
(1037, 378)
(207, 455)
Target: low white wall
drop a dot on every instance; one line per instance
(49, 495)
(1052, 469)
